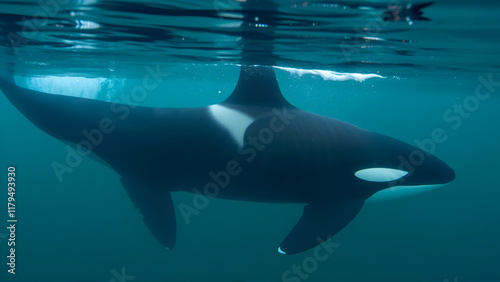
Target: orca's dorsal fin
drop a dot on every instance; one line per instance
(257, 86)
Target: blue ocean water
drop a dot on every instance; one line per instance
(431, 66)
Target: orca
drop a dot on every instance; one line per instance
(254, 146)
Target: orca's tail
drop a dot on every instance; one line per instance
(7, 82)
(63, 117)
(6, 79)
(8, 87)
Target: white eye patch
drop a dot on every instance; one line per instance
(380, 174)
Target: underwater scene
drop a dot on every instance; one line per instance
(249, 141)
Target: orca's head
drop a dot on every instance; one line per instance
(388, 168)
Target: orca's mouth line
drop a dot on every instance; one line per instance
(396, 192)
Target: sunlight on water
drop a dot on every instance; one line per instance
(70, 86)
(332, 75)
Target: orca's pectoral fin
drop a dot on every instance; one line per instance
(320, 221)
(157, 209)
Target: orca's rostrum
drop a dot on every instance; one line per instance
(271, 150)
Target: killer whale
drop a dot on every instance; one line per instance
(271, 150)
